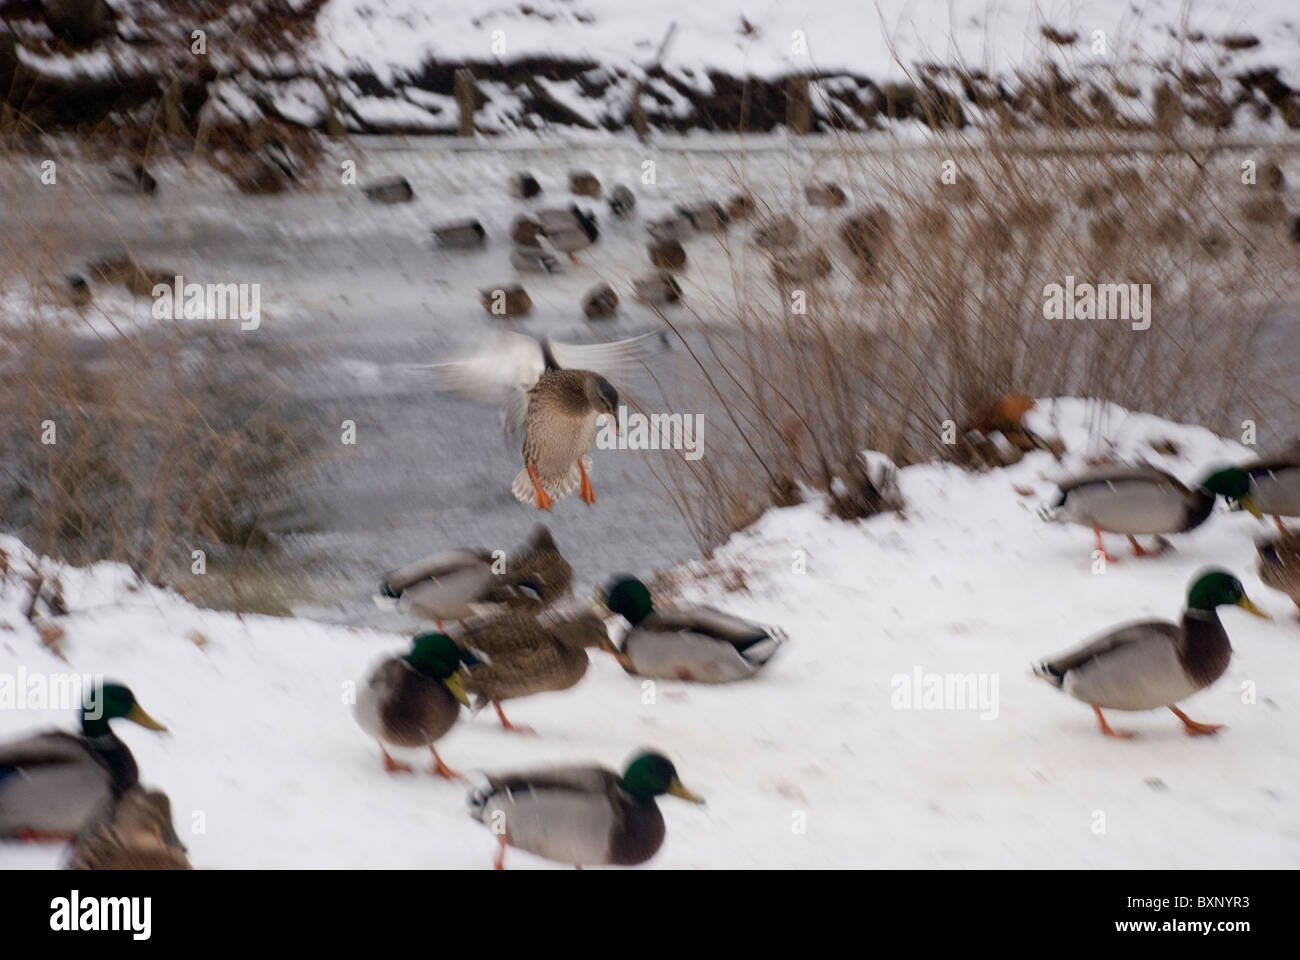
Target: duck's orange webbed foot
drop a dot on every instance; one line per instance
(585, 490)
(1193, 728)
(541, 499)
(1141, 551)
(1101, 548)
(440, 769)
(507, 725)
(45, 836)
(1106, 728)
(391, 765)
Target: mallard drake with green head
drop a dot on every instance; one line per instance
(555, 392)
(519, 654)
(1279, 565)
(582, 815)
(413, 700)
(1135, 500)
(698, 644)
(460, 584)
(1275, 485)
(1154, 663)
(51, 783)
(131, 832)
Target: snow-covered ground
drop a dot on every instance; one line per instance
(398, 36)
(813, 763)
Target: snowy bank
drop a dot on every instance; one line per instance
(818, 762)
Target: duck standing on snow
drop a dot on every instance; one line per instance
(1275, 485)
(699, 644)
(1135, 500)
(1279, 565)
(1154, 663)
(413, 700)
(132, 832)
(555, 392)
(459, 584)
(520, 654)
(568, 230)
(581, 815)
(52, 783)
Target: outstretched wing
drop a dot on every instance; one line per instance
(502, 375)
(613, 360)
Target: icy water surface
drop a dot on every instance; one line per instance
(361, 289)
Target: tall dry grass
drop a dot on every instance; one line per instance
(924, 301)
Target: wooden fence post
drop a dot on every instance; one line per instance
(798, 104)
(465, 94)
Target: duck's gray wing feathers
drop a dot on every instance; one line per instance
(43, 750)
(1144, 472)
(613, 360)
(586, 779)
(435, 566)
(709, 622)
(1135, 632)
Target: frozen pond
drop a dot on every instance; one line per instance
(362, 289)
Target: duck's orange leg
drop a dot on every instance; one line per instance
(1192, 728)
(506, 724)
(500, 862)
(440, 769)
(1280, 525)
(585, 490)
(1101, 547)
(391, 765)
(1141, 551)
(541, 499)
(1106, 729)
(45, 836)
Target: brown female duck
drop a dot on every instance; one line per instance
(555, 392)
(519, 654)
(1279, 565)
(132, 832)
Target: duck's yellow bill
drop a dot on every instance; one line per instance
(1248, 505)
(1248, 605)
(457, 687)
(137, 715)
(678, 790)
